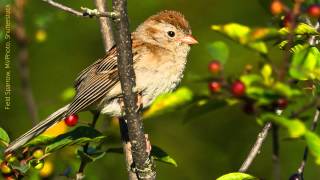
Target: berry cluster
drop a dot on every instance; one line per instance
(278, 8)
(237, 89)
(33, 157)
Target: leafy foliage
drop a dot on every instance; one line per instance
(251, 38)
(4, 138)
(237, 176)
(219, 51)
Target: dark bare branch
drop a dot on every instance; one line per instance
(143, 165)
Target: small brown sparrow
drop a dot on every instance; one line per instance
(160, 46)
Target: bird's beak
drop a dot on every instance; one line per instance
(189, 40)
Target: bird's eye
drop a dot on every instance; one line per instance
(171, 33)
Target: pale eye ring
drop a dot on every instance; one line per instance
(171, 33)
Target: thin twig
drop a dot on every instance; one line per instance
(256, 147)
(306, 150)
(105, 26)
(142, 163)
(86, 12)
(23, 58)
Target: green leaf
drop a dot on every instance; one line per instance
(295, 127)
(313, 142)
(4, 138)
(249, 79)
(261, 34)
(234, 31)
(299, 47)
(170, 101)
(90, 157)
(237, 176)
(261, 47)
(160, 155)
(262, 95)
(286, 90)
(80, 135)
(301, 29)
(245, 35)
(304, 63)
(219, 51)
(39, 140)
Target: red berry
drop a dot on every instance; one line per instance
(71, 120)
(238, 88)
(214, 86)
(214, 67)
(276, 7)
(281, 103)
(8, 176)
(314, 10)
(287, 20)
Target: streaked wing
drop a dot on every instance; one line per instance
(108, 62)
(95, 82)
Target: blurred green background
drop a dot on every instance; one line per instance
(205, 147)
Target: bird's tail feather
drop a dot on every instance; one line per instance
(38, 129)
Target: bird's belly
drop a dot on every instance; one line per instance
(150, 84)
(155, 84)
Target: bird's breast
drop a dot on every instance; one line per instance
(159, 78)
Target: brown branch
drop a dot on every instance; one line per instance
(142, 163)
(105, 26)
(255, 150)
(306, 150)
(23, 58)
(86, 12)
